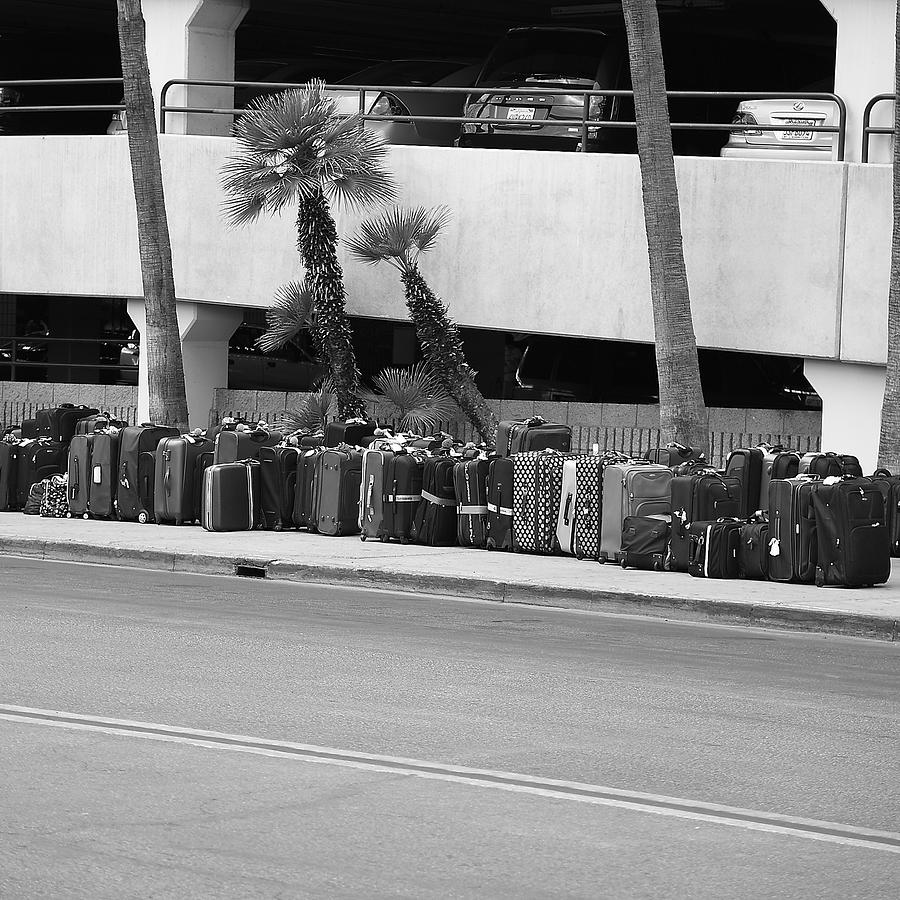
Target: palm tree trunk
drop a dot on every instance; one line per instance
(439, 337)
(162, 340)
(317, 243)
(889, 442)
(681, 408)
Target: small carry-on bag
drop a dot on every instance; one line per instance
(699, 498)
(644, 541)
(830, 465)
(99, 422)
(470, 480)
(753, 551)
(353, 433)
(54, 504)
(32, 505)
(714, 549)
(79, 472)
(137, 456)
(173, 492)
(29, 430)
(435, 518)
(853, 544)
(371, 493)
(231, 496)
(336, 491)
(778, 464)
(402, 483)
(500, 504)
(104, 470)
(537, 490)
(278, 480)
(673, 454)
(631, 489)
(747, 467)
(232, 446)
(793, 543)
(37, 461)
(889, 485)
(578, 519)
(304, 496)
(531, 435)
(9, 463)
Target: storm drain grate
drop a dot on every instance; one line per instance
(245, 570)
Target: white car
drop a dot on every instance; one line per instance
(765, 143)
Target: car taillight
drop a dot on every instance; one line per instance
(745, 118)
(596, 108)
(387, 105)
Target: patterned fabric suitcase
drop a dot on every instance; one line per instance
(37, 461)
(54, 504)
(231, 496)
(104, 467)
(500, 504)
(134, 490)
(336, 491)
(79, 474)
(470, 479)
(537, 488)
(371, 493)
(435, 519)
(278, 480)
(578, 521)
(631, 489)
(403, 473)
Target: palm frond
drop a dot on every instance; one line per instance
(398, 235)
(413, 396)
(312, 416)
(290, 313)
(429, 224)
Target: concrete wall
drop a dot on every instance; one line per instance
(545, 242)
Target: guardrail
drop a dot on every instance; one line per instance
(868, 128)
(584, 122)
(61, 82)
(32, 352)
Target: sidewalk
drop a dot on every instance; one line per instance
(512, 578)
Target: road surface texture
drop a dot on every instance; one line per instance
(169, 735)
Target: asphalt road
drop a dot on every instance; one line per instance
(799, 726)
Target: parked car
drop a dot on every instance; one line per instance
(528, 58)
(764, 143)
(8, 97)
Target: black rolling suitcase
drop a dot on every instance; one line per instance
(29, 430)
(753, 551)
(531, 435)
(99, 422)
(278, 485)
(470, 478)
(354, 433)
(673, 454)
(747, 466)
(714, 549)
(500, 504)
(58, 423)
(644, 541)
(435, 518)
(9, 462)
(699, 498)
(174, 496)
(79, 471)
(38, 460)
(136, 475)
(304, 497)
(232, 446)
(336, 491)
(854, 548)
(793, 544)
(402, 482)
(890, 490)
(830, 465)
(231, 496)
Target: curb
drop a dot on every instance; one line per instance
(880, 628)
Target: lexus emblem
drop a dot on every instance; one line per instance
(799, 105)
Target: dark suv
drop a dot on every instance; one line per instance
(525, 59)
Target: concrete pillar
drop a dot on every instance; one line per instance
(864, 67)
(205, 329)
(193, 39)
(852, 394)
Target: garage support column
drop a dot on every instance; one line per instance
(852, 394)
(193, 39)
(205, 330)
(864, 67)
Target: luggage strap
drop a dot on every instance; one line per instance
(437, 501)
(472, 510)
(503, 510)
(403, 498)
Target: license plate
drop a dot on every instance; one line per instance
(520, 113)
(797, 135)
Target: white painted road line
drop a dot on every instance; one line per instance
(656, 804)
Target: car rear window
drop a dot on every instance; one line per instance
(523, 54)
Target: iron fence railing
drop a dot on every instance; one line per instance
(33, 352)
(584, 122)
(868, 128)
(61, 82)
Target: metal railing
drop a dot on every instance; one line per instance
(33, 352)
(62, 82)
(868, 128)
(584, 122)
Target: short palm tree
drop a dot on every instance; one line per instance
(413, 397)
(399, 237)
(295, 149)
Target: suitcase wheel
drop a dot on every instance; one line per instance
(277, 528)
(143, 517)
(657, 565)
(68, 515)
(383, 538)
(85, 516)
(404, 540)
(820, 577)
(362, 537)
(579, 555)
(623, 563)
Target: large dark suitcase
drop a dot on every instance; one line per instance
(644, 541)
(714, 549)
(753, 551)
(778, 464)
(201, 464)
(854, 548)
(435, 518)
(231, 446)
(470, 479)
(99, 422)
(747, 466)
(278, 485)
(889, 485)
(830, 465)
(304, 497)
(500, 504)
(38, 460)
(79, 470)
(231, 496)
(9, 462)
(104, 474)
(699, 498)
(371, 496)
(402, 480)
(673, 454)
(336, 491)
(631, 489)
(29, 429)
(353, 433)
(531, 435)
(793, 544)
(174, 497)
(136, 478)
(537, 491)
(59, 423)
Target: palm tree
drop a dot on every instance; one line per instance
(294, 148)
(399, 237)
(162, 339)
(415, 398)
(682, 413)
(889, 442)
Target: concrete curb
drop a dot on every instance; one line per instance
(881, 628)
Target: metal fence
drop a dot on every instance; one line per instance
(868, 128)
(34, 352)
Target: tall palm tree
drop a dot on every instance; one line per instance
(681, 408)
(162, 340)
(889, 442)
(399, 237)
(295, 149)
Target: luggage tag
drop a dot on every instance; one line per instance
(774, 547)
(97, 475)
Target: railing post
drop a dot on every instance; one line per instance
(585, 115)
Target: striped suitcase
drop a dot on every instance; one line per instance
(403, 474)
(470, 479)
